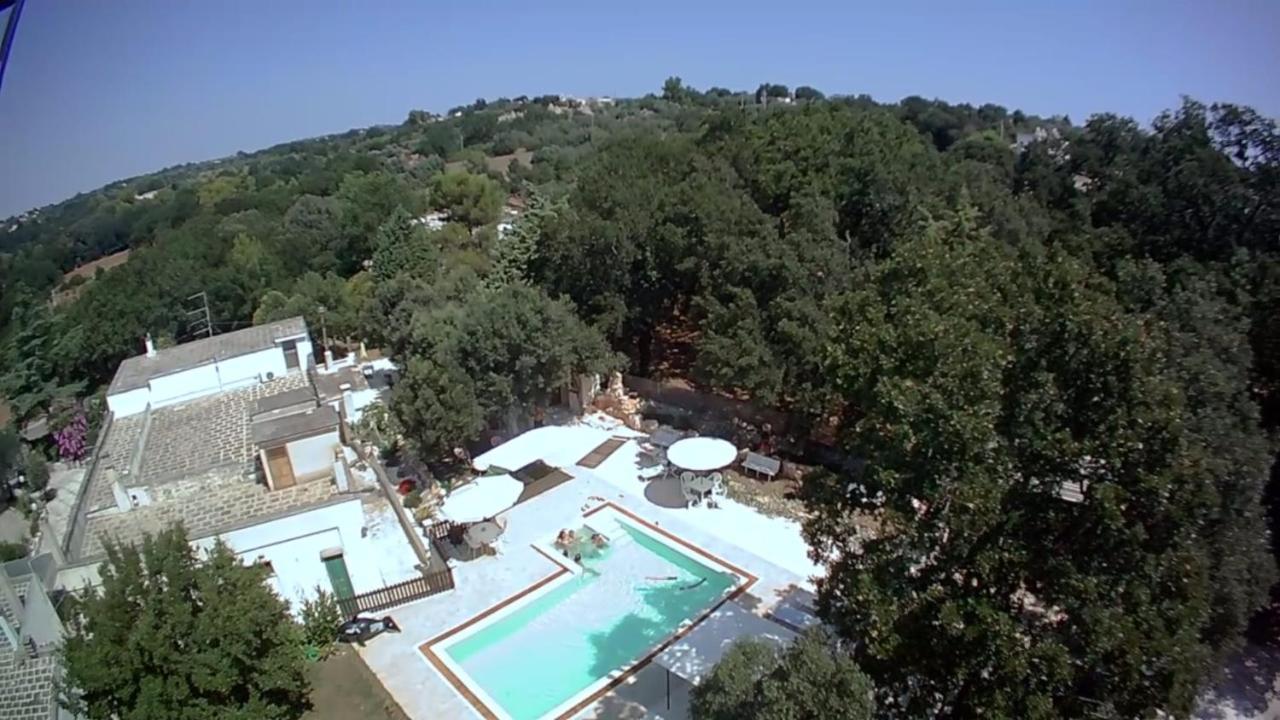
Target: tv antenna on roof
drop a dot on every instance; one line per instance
(201, 323)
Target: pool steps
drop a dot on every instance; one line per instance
(608, 526)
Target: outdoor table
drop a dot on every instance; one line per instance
(701, 484)
(482, 533)
(702, 454)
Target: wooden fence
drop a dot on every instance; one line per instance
(398, 594)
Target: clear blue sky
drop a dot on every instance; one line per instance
(97, 91)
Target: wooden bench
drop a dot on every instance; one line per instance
(761, 465)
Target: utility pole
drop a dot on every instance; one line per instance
(201, 315)
(324, 335)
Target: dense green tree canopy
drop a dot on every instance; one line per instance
(808, 681)
(478, 358)
(471, 199)
(983, 382)
(971, 321)
(169, 635)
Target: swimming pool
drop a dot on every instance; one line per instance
(559, 645)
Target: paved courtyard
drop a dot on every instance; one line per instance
(482, 583)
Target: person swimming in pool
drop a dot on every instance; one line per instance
(599, 540)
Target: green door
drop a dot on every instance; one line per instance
(336, 566)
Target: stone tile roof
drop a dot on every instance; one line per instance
(197, 461)
(277, 430)
(208, 433)
(27, 687)
(137, 371)
(329, 385)
(303, 396)
(205, 505)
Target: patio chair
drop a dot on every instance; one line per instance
(691, 498)
(717, 484)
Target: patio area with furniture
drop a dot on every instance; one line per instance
(699, 460)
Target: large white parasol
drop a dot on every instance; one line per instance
(702, 454)
(482, 498)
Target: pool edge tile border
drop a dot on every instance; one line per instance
(426, 649)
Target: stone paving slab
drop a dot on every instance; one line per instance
(205, 505)
(206, 433)
(27, 687)
(424, 694)
(197, 461)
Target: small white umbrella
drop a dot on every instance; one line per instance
(702, 454)
(482, 533)
(482, 499)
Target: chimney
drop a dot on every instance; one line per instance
(151, 347)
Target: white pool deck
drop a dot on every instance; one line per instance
(423, 692)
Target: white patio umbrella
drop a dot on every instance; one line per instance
(702, 454)
(482, 498)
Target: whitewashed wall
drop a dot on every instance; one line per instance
(293, 546)
(304, 353)
(229, 374)
(128, 403)
(185, 385)
(313, 457)
(248, 369)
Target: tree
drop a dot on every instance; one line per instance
(30, 380)
(471, 199)
(169, 635)
(36, 470)
(808, 681)
(486, 354)
(1207, 351)
(735, 353)
(810, 94)
(979, 383)
(369, 199)
(514, 253)
(436, 404)
(322, 300)
(673, 90)
(402, 247)
(440, 138)
(313, 234)
(10, 450)
(771, 90)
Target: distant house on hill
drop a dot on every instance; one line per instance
(1023, 140)
(211, 365)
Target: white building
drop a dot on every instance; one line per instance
(296, 438)
(211, 365)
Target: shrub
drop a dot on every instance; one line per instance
(37, 471)
(413, 499)
(12, 551)
(320, 619)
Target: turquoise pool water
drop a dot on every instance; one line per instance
(629, 599)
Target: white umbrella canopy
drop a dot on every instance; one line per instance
(482, 498)
(702, 454)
